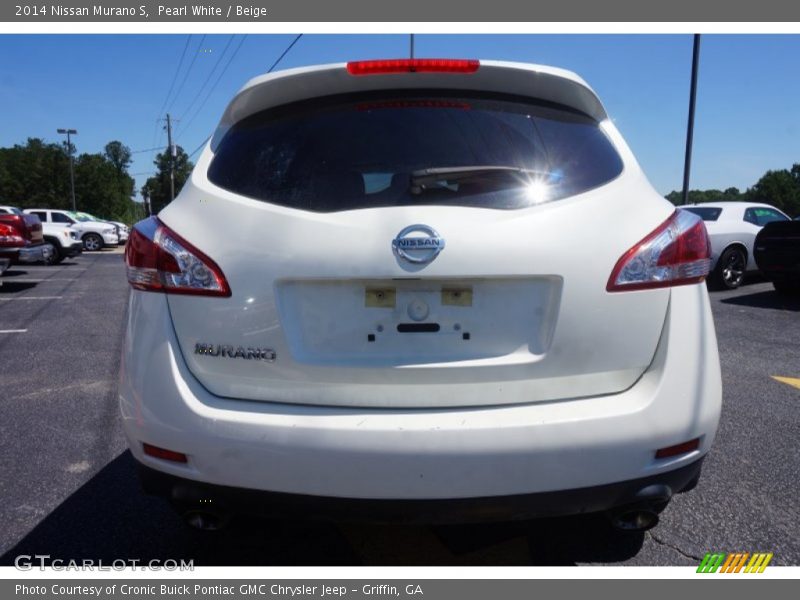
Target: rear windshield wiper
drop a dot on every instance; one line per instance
(433, 178)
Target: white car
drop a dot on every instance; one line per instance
(732, 228)
(123, 231)
(120, 228)
(95, 235)
(433, 289)
(65, 240)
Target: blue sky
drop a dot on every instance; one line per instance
(114, 87)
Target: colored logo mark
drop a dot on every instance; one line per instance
(735, 562)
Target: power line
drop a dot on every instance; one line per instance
(275, 64)
(210, 74)
(146, 150)
(285, 52)
(203, 143)
(175, 77)
(186, 75)
(169, 93)
(213, 87)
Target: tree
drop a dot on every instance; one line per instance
(118, 155)
(731, 194)
(158, 186)
(780, 189)
(37, 175)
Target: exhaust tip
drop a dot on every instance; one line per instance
(204, 520)
(635, 519)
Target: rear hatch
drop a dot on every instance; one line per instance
(418, 247)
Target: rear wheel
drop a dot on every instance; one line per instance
(731, 266)
(92, 242)
(57, 256)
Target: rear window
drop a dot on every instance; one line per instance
(344, 153)
(707, 213)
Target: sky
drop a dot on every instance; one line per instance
(117, 87)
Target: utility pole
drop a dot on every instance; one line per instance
(171, 159)
(687, 164)
(71, 165)
(146, 198)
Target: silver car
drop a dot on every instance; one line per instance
(732, 229)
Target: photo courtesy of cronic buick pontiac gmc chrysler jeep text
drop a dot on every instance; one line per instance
(423, 289)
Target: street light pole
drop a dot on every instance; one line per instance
(71, 165)
(687, 164)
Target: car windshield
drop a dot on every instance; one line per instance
(707, 213)
(82, 217)
(11, 210)
(404, 150)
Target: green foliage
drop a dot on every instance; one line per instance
(700, 196)
(157, 188)
(777, 188)
(37, 175)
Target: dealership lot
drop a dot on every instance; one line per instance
(68, 486)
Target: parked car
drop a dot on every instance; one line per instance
(65, 240)
(21, 239)
(433, 289)
(120, 228)
(777, 253)
(732, 229)
(123, 231)
(94, 235)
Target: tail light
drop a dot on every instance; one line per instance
(159, 260)
(164, 454)
(678, 252)
(9, 236)
(678, 449)
(412, 65)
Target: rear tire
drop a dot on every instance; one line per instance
(92, 242)
(729, 273)
(56, 257)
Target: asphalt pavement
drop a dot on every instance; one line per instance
(68, 486)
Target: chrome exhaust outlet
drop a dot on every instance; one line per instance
(635, 519)
(642, 513)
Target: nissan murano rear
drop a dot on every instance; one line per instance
(419, 289)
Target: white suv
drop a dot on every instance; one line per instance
(95, 235)
(434, 289)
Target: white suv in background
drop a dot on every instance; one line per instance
(95, 235)
(435, 289)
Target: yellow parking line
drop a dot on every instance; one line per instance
(792, 381)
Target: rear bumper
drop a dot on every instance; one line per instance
(74, 250)
(28, 254)
(422, 454)
(186, 495)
